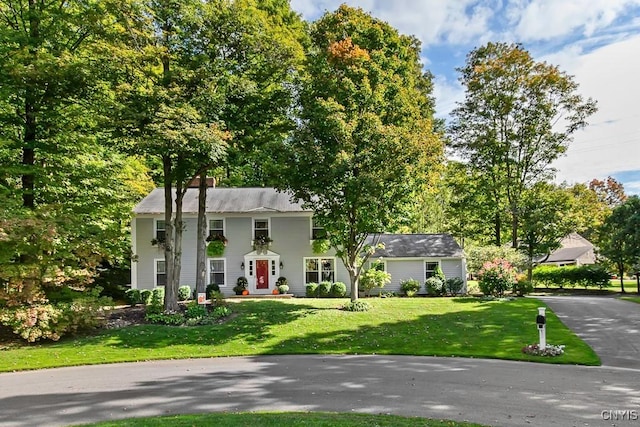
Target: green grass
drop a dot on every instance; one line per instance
(632, 299)
(466, 327)
(306, 419)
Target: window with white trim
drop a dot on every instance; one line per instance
(317, 232)
(216, 227)
(217, 271)
(318, 270)
(430, 268)
(160, 230)
(161, 272)
(260, 228)
(378, 264)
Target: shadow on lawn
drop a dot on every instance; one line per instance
(492, 329)
(251, 322)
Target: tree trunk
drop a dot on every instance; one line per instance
(169, 232)
(171, 290)
(514, 229)
(201, 255)
(498, 226)
(621, 273)
(353, 278)
(30, 124)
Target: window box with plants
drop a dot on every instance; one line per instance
(159, 242)
(261, 244)
(216, 245)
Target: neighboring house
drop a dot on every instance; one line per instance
(243, 215)
(574, 250)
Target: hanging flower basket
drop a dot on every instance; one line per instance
(216, 245)
(261, 244)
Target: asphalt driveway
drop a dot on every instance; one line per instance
(491, 392)
(609, 325)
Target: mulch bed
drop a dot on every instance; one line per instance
(120, 317)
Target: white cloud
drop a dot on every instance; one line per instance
(612, 142)
(547, 19)
(432, 22)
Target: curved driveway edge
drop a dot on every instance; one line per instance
(491, 392)
(609, 325)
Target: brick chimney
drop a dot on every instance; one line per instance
(211, 182)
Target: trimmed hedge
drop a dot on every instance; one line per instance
(584, 275)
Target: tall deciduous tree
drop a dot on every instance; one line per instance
(518, 116)
(167, 107)
(544, 221)
(620, 237)
(609, 191)
(58, 183)
(365, 134)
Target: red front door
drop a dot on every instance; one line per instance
(262, 274)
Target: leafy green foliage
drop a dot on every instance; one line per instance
(453, 285)
(215, 248)
(373, 278)
(544, 220)
(211, 288)
(584, 275)
(338, 290)
(133, 296)
(311, 290)
(477, 256)
(496, 277)
(321, 246)
(434, 286)
(324, 289)
(365, 134)
(357, 306)
(517, 117)
(184, 292)
(410, 287)
(35, 322)
(620, 236)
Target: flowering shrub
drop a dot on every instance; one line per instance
(496, 277)
(33, 322)
(49, 321)
(550, 350)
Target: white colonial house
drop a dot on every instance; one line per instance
(244, 215)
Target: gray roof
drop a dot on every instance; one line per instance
(225, 200)
(566, 254)
(419, 245)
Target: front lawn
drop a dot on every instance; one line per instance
(632, 299)
(467, 327)
(306, 419)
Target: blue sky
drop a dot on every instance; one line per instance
(596, 41)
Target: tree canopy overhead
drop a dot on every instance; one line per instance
(365, 136)
(517, 117)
